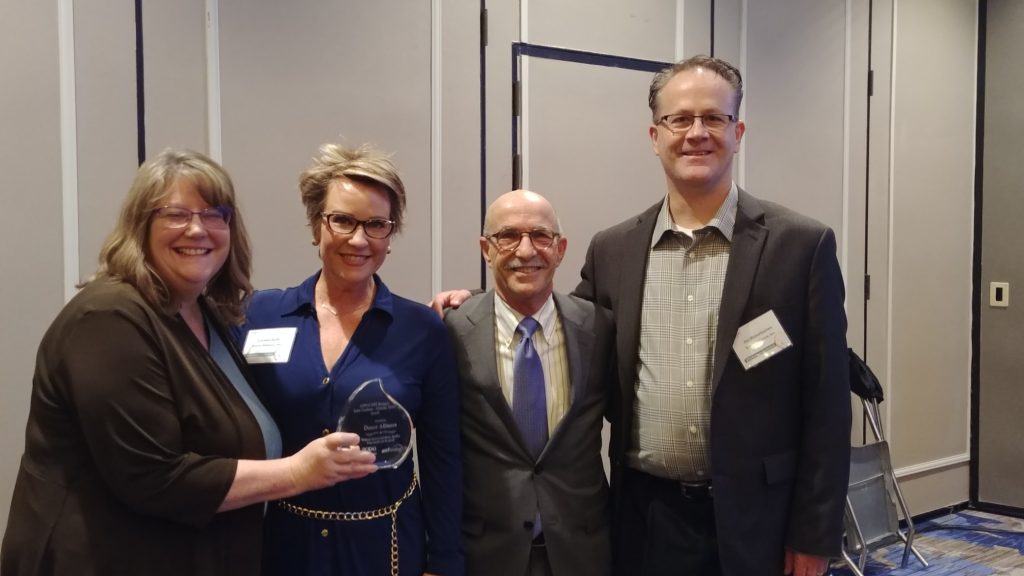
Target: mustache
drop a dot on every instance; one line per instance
(518, 263)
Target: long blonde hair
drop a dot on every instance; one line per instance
(124, 257)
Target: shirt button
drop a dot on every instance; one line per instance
(327, 379)
(689, 340)
(700, 472)
(689, 383)
(693, 429)
(689, 298)
(324, 533)
(691, 255)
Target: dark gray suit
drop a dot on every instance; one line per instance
(780, 432)
(504, 486)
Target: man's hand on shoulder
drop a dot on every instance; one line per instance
(449, 299)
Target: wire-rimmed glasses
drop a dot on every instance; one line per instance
(677, 123)
(508, 239)
(213, 218)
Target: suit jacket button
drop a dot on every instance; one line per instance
(528, 525)
(538, 469)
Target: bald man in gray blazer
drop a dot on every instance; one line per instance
(532, 508)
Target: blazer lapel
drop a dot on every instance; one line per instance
(480, 347)
(637, 243)
(748, 240)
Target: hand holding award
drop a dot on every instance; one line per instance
(383, 425)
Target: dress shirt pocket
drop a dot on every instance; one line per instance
(779, 468)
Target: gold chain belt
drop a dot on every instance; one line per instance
(389, 510)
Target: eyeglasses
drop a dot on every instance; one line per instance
(509, 239)
(341, 223)
(214, 218)
(677, 123)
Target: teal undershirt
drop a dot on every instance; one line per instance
(220, 354)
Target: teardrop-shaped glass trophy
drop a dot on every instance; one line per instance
(383, 425)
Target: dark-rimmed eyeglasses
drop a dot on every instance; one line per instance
(677, 123)
(213, 218)
(509, 239)
(341, 223)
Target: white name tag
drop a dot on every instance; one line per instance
(759, 340)
(269, 345)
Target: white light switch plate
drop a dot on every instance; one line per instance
(999, 294)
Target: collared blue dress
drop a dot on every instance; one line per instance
(405, 344)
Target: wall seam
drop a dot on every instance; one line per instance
(847, 86)
(436, 140)
(68, 144)
(214, 134)
(892, 222)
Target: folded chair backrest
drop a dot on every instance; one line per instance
(863, 381)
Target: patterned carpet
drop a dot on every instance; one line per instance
(968, 543)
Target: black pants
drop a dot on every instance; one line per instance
(663, 530)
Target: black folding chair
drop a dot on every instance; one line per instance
(871, 519)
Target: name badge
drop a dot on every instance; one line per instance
(760, 339)
(269, 345)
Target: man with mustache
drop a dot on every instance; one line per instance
(533, 366)
(730, 414)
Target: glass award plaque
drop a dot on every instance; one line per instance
(383, 425)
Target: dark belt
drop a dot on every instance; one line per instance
(696, 490)
(689, 490)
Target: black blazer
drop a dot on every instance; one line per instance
(780, 432)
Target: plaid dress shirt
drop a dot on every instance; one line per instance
(679, 320)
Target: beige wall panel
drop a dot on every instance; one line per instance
(728, 19)
(932, 214)
(1001, 429)
(855, 230)
(695, 28)
(297, 74)
(936, 489)
(793, 106)
(878, 307)
(107, 127)
(635, 28)
(174, 48)
(596, 174)
(30, 239)
(460, 143)
(503, 31)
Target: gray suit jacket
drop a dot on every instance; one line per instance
(504, 486)
(780, 432)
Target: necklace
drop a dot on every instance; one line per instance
(334, 311)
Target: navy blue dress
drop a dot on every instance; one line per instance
(405, 344)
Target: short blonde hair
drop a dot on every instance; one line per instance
(124, 254)
(365, 165)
